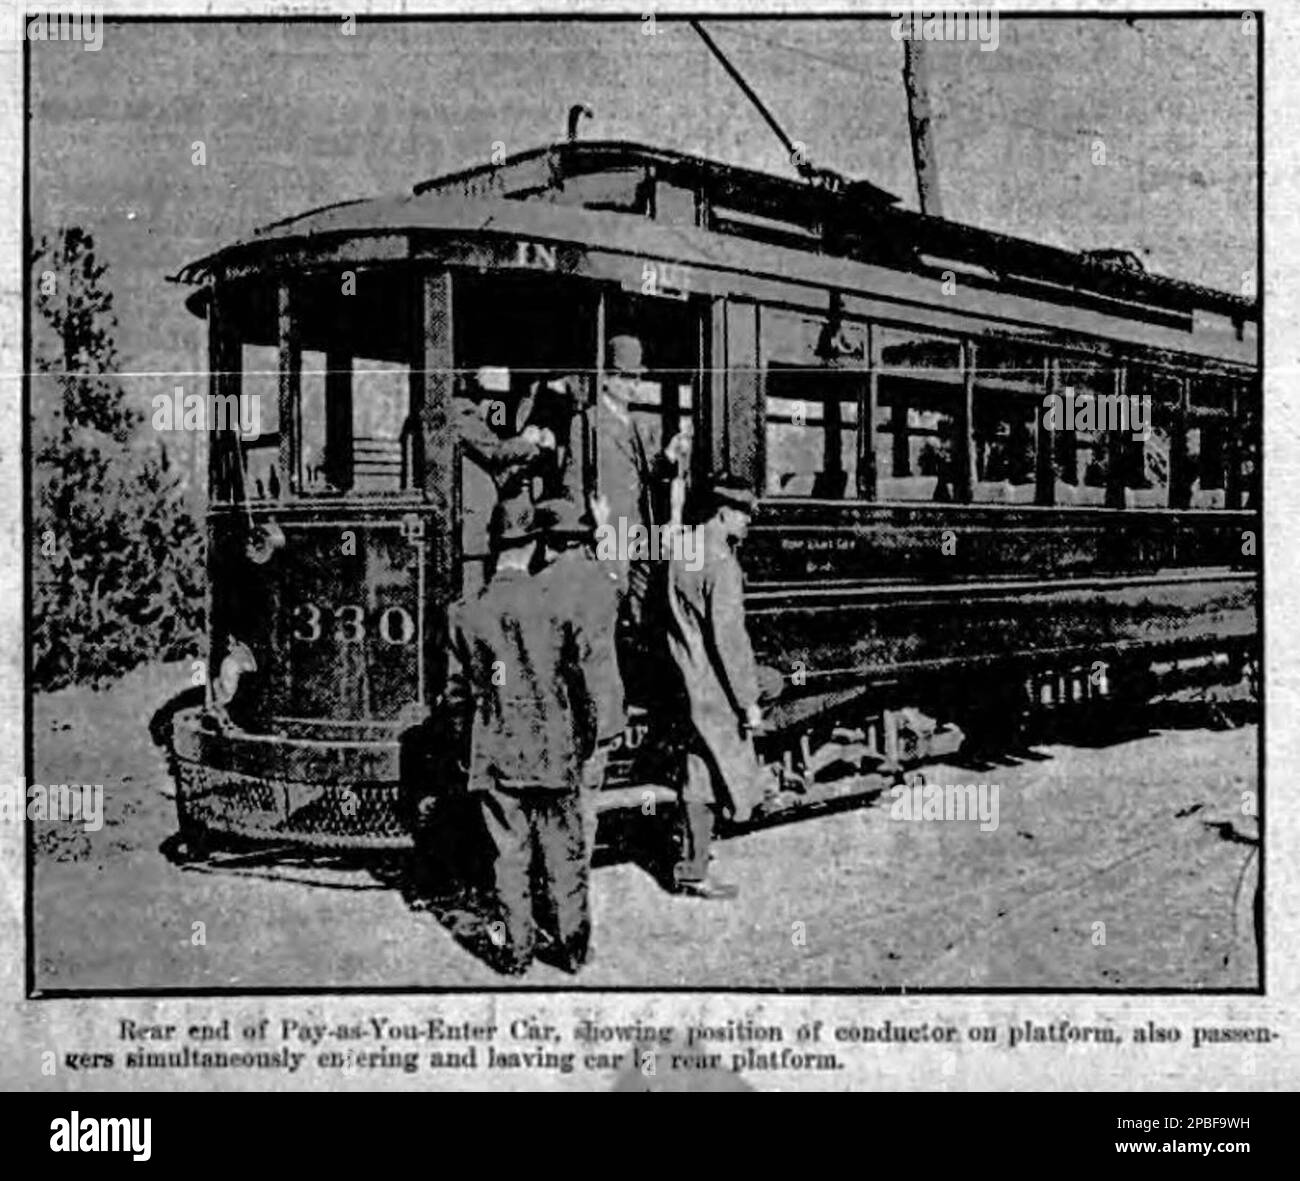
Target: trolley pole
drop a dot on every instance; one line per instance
(916, 78)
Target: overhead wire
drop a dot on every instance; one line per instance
(1001, 117)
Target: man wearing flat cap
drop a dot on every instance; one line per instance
(711, 651)
(574, 581)
(522, 673)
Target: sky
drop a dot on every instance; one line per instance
(293, 116)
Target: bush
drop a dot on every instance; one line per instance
(117, 557)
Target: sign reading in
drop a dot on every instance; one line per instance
(536, 256)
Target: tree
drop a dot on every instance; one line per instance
(116, 556)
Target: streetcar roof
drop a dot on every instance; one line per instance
(858, 221)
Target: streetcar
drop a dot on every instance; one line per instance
(931, 552)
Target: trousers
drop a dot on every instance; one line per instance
(695, 837)
(538, 878)
(593, 780)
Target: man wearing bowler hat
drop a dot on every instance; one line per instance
(522, 674)
(711, 650)
(628, 475)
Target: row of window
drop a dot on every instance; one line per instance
(986, 420)
(1035, 426)
(355, 435)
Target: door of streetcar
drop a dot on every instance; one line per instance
(529, 350)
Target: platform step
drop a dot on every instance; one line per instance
(634, 796)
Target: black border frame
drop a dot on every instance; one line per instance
(31, 992)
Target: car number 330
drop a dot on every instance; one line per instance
(348, 624)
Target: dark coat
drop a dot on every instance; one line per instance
(521, 668)
(632, 475)
(712, 652)
(627, 473)
(556, 406)
(510, 460)
(634, 480)
(577, 583)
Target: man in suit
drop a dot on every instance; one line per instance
(484, 424)
(522, 670)
(719, 680)
(631, 475)
(575, 581)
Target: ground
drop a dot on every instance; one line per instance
(1127, 864)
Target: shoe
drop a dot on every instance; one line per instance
(740, 813)
(767, 807)
(570, 960)
(512, 967)
(508, 964)
(708, 888)
(569, 956)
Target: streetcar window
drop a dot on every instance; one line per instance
(1211, 396)
(1148, 453)
(1010, 380)
(1209, 430)
(811, 412)
(312, 464)
(353, 429)
(811, 439)
(747, 223)
(919, 389)
(660, 406)
(1205, 460)
(355, 433)
(1083, 411)
(381, 395)
(623, 190)
(342, 353)
(260, 379)
(675, 205)
(1248, 446)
